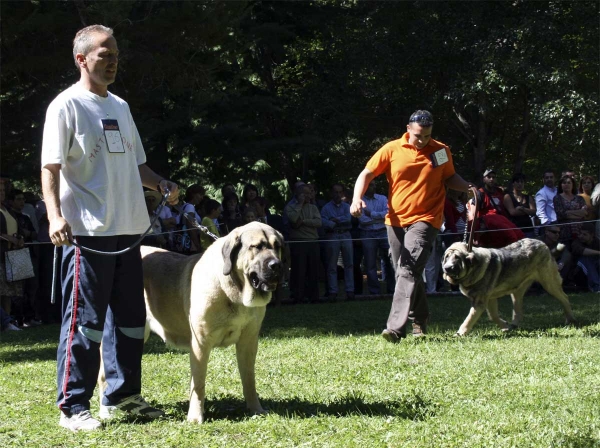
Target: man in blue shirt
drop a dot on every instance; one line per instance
(337, 223)
(373, 234)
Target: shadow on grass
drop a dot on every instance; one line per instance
(542, 318)
(234, 409)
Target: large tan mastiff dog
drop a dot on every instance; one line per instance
(484, 275)
(215, 300)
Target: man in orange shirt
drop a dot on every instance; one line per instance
(418, 169)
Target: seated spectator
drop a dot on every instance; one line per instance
(586, 250)
(569, 208)
(212, 211)
(155, 237)
(520, 206)
(492, 232)
(492, 217)
(559, 251)
(231, 216)
(249, 215)
(586, 186)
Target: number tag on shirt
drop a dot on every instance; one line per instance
(112, 135)
(439, 157)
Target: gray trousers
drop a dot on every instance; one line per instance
(411, 247)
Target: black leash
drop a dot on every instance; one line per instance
(192, 219)
(99, 252)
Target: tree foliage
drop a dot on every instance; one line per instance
(269, 92)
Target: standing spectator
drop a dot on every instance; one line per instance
(455, 215)
(9, 239)
(520, 206)
(93, 169)
(586, 186)
(569, 208)
(544, 199)
(50, 311)
(249, 196)
(231, 217)
(374, 238)
(336, 219)
(26, 311)
(304, 219)
(492, 197)
(417, 169)
(212, 210)
(586, 249)
(189, 217)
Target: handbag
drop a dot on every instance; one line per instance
(18, 265)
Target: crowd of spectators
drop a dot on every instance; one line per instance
(326, 244)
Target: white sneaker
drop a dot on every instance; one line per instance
(79, 422)
(11, 327)
(134, 405)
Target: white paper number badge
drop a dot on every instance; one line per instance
(439, 157)
(113, 136)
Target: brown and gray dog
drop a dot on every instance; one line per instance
(484, 275)
(214, 300)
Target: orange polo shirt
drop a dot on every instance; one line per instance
(417, 190)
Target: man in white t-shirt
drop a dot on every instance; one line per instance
(93, 169)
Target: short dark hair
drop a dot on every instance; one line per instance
(210, 205)
(192, 190)
(422, 118)
(14, 193)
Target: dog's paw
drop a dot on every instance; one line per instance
(457, 335)
(259, 411)
(195, 418)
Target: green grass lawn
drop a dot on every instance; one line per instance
(329, 379)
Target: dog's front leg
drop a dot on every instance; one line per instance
(245, 350)
(199, 355)
(474, 315)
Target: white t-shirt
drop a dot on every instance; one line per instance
(100, 185)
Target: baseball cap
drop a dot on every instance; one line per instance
(488, 171)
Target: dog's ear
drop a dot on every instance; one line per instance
(230, 251)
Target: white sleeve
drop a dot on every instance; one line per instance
(57, 137)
